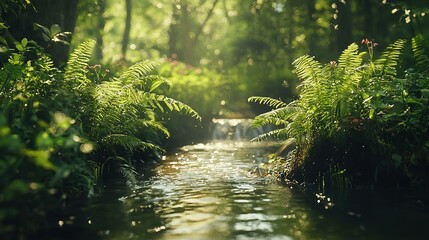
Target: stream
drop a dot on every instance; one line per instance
(213, 191)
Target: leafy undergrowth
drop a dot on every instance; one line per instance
(360, 121)
(63, 131)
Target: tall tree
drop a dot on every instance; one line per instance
(344, 31)
(101, 22)
(127, 30)
(312, 35)
(186, 31)
(46, 13)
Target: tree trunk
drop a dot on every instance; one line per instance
(63, 13)
(312, 34)
(100, 28)
(344, 33)
(126, 36)
(290, 34)
(173, 32)
(186, 53)
(183, 35)
(45, 13)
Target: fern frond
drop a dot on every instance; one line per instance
(8, 73)
(178, 106)
(260, 121)
(350, 58)
(276, 134)
(277, 116)
(156, 81)
(129, 142)
(139, 70)
(155, 100)
(307, 68)
(77, 65)
(271, 102)
(45, 62)
(389, 59)
(156, 126)
(126, 168)
(129, 173)
(421, 53)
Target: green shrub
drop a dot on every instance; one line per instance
(60, 130)
(40, 164)
(119, 114)
(358, 121)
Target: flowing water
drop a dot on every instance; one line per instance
(216, 191)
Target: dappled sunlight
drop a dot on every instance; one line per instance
(204, 191)
(214, 119)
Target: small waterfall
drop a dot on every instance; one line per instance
(235, 129)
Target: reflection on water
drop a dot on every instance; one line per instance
(207, 191)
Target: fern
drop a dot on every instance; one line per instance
(389, 59)
(175, 105)
(350, 58)
(129, 172)
(271, 102)
(308, 69)
(8, 73)
(155, 126)
(156, 81)
(278, 134)
(122, 110)
(339, 102)
(158, 101)
(141, 74)
(314, 78)
(45, 62)
(277, 116)
(128, 142)
(126, 168)
(421, 53)
(138, 71)
(77, 65)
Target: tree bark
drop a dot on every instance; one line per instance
(126, 36)
(173, 32)
(209, 14)
(344, 33)
(99, 35)
(45, 13)
(182, 43)
(312, 34)
(63, 13)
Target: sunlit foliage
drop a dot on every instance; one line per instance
(62, 131)
(353, 117)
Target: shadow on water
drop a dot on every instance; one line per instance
(211, 191)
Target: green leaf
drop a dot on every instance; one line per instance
(44, 141)
(24, 42)
(44, 29)
(3, 49)
(389, 59)
(371, 113)
(19, 47)
(55, 29)
(2, 26)
(41, 158)
(77, 66)
(276, 103)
